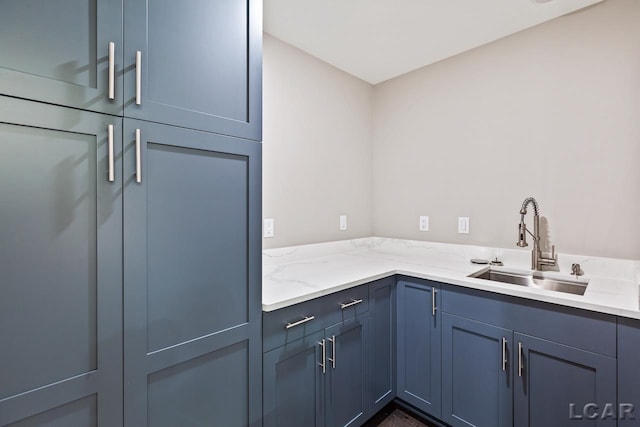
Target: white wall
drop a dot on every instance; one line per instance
(317, 152)
(552, 112)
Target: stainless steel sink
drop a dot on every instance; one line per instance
(533, 280)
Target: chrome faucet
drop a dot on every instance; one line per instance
(537, 260)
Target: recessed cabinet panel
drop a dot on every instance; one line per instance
(191, 278)
(195, 64)
(209, 390)
(294, 384)
(382, 341)
(419, 344)
(58, 52)
(48, 193)
(196, 200)
(59, 56)
(476, 378)
(557, 382)
(82, 412)
(202, 66)
(61, 292)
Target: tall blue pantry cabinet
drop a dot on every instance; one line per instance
(130, 194)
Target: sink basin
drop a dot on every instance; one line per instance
(533, 280)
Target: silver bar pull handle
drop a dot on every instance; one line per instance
(300, 322)
(504, 354)
(350, 304)
(112, 70)
(111, 171)
(332, 359)
(138, 158)
(138, 77)
(324, 357)
(519, 359)
(433, 302)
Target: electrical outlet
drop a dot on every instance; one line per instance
(268, 229)
(343, 222)
(463, 224)
(423, 224)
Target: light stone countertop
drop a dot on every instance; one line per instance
(300, 273)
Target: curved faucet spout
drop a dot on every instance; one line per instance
(527, 201)
(537, 260)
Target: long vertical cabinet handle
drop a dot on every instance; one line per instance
(324, 357)
(504, 354)
(138, 77)
(332, 359)
(112, 70)
(111, 168)
(433, 301)
(138, 158)
(519, 359)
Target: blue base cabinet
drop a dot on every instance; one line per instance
(509, 362)
(347, 366)
(294, 384)
(558, 385)
(628, 409)
(419, 344)
(476, 374)
(319, 374)
(382, 349)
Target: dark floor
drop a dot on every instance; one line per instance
(394, 416)
(399, 418)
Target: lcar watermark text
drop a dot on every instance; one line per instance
(593, 411)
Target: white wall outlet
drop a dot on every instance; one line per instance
(268, 229)
(343, 222)
(463, 224)
(423, 225)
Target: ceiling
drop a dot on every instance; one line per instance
(377, 40)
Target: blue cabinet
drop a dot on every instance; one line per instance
(347, 359)
(494, 374)
(322, 377)
(294, 383)
(476, 373)
(59, 52)
(382, 348)
(192, 317)
(61, 264)
(628, 410)
(419, 344)
(558, 385)
(195, 64)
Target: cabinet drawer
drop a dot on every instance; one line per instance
(294, 322)
(583, 329)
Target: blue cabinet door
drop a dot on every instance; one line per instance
(419, 344)
(294, 384)
(347, 367)
(628, 372)
(58, 52)
(558, 385)
(192, 274)
(382, 339)
(195, 64)
(61, 264)
(476, 375)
